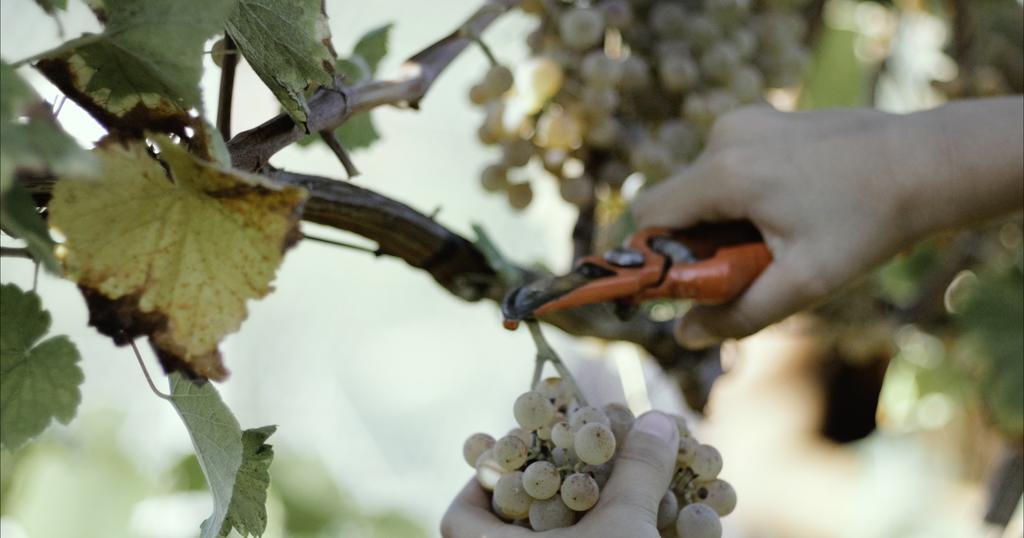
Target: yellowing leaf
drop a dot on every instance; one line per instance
(176, 253)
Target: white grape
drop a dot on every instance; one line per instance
(488, 470)
(510, 497)
(526, 436)
(636, 73)
(599, 102)
(719, 495)
(581, 28)
(532, 410)
(668, 510)
(564, 457)
(587, 415)
(621, 419)
(550, 514)
(698, 521)
(519, 195)
(493, 178)
(707, 462)
(580, 492)
(617, 13)
(554, 389)
(498, 80)
(600, 473)
(702, 31)
(478, 94)
(537, 80)
(511, 452)
(680, 138)
(719, 61)
(544, 432)
(599, 70)
(594, 443)
(603, 133)
(517, 152)
(678, 73)
(687, 450)
(541, 479)
(559, 129)
(652, 159)
(475, 445)
(562, 435)
(668, 19)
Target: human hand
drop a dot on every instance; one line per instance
(821, 188)
(628, 504)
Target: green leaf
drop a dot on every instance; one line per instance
(247, 513)
(51, 6)
(288, 44)
(38, 380)
(373, 46)
(19, 217)
(217, 439)
(143, 71)
(358, 132)
(29, 137)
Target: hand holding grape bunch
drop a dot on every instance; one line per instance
(584, 471)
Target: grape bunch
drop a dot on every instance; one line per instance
(549, 470)
(615, 88)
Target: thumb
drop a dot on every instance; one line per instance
(684, 200)
(782, 289)
(644, 468)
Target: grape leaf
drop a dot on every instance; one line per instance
(38, 380)
(29, 138)
(288, 44)
(51, 6)
(18, 216)
(217, 439)
(247, 512)
(373, 46)
(173, 253)
(143, 71)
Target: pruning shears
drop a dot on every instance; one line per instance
(708, 263)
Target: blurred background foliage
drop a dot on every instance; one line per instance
(929, 348)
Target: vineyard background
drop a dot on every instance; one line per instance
(374, 373)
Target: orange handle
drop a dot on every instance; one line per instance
(714, 280)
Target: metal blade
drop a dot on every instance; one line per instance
(522, 302)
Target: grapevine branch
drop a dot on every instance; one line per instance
(330, 107)
(229, 64)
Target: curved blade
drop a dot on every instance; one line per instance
(522, 302)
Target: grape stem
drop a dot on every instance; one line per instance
(145, 372)
(546, 354)
(491, 59)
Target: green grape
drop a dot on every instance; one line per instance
(698, 521)
(578, 191)
(600, 473)
(510, 497)
(486, 136)
(599, 102)
(652, 159)
(562, 435)
(524, 435)
(475, 445)
(557, 128)
(554, 389)
(636, 73)
(564, 457)
(603, 133)
(532, 410)
(600, 71)
(707, 462)
(493, 178)
(617, 13)
(510, 452)
(520, 195)
(668, 19)
(488, 470)
(746, 84)
(594, 443)
(478, 94)
(550, 514)
(719, 495)
(498, 80)
(687, 450)
(544, 432)
(541, 480)
(517, 152)
(668, 510)
(702, 31)
(587, 415)
(678, 73)
(680, 138)
(621, 419)
(719, 61)
(581, 28)
(580, 492)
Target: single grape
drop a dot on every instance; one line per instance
(621, 419)
(578, 191)
(526, 436)
(702, 31)
(678, 73)
(541, 479)
(680, 138)
(520, 195)
(668, 19)
(719, 495)
(562, 435)
(707, 462)
(599, 70)
(475, 445)
(486, 136)
(488, 470)
(510, 497)
(587, 415)
(636, 73)
(727, 12)
(478, 94)
(536, 40)
(599, 102)
(746, 84)
(594, 443)
(581, 28)
(603, 133)
(617, 13)
(720, 101)
(554, 389)
(719, 61)
(511, 452)
(698, 521)
(600, 473)
(580, 492)
(550, 514)
(559, 129)
(564, 457)
(537, 80)
(498, 80)
(553, 159)
(544, 432)
(745, 41)
(532, 410)
(493, 178)
(613, 172)
(517, 152)
(697, 111)
(687, 450)
(668, 510)
(651, 159)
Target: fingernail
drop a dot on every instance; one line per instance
(693, 336)
(656, 424)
